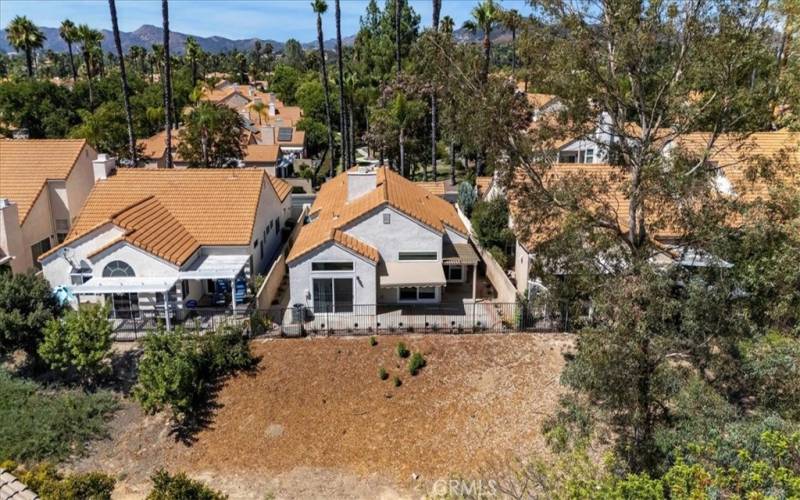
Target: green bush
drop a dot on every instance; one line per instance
(38, 424)
(49, 484)
(416, 363)
(26, 305)
(402, 350)
(176, 369)
(373, 341)
(383, 374)
(396, 381)
(79, 342)
(180, 487)
(466, 197)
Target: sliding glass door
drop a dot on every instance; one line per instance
(333, 295)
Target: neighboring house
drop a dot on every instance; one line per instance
(183, 237)
(43, 184)
(730, 154)
(375, 237)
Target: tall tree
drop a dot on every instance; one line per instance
(320, 7)
(23, 35)
(484, 19)
(90, 39)
(398, 24)
(437, 9)
(512, 21)
(167, 82)
(68, 34)
(340, 63)
(126, 91)
(193, 53)
(211, 136)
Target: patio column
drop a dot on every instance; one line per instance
(233, 295)
(474, 281)
(166, 309)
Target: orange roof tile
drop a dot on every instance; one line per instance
(27, 164)
(334, 212)
(435, 187)
(282, 188)
(168, 211)
(261, 153)
(483, 183)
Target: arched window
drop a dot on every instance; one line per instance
(118, 269)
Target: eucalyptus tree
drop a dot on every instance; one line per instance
(67, 32)
(23, 35)
(124, 79)
(437, 9)
(320, 7)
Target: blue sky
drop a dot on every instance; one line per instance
(274, 19)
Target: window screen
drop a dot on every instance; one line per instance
(417, 256)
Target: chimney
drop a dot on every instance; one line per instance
(271, 108)
(102, 166)
(267, 135)
(11, 240)
(360, 181)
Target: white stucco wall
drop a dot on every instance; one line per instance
(269, 208)
(454, 236)
(300, 275)
(403, 234)
(38, 224)
(80, 181)
(522, 267)
(57, 270)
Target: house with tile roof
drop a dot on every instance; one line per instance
(43, 184)
(732, 155)
(375, 237)
(171, 239)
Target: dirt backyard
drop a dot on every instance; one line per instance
(315, 420)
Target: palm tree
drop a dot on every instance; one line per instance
(89, 39)
(403, 113)
(340, 63)
(193, 52)
(260, 108)
(485, 17)
(437, 9)
(68, 34)
(138, 55)
(124, 77)
(447, 25)
(22, 34)
(167, 81)
(351, 84)
(513, 21)
(320, 7)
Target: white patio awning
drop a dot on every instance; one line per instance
(413, 274)
(209, 267)
(124, 285)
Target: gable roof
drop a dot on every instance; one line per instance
(334, 212)
(170, 212)
(27, 164)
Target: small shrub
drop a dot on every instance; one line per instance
(402, 350)
(396, 381)
(373, 341)
(45, 480)
(168, 487)
(383, 374)
(416, 363)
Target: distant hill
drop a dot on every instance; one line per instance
(147, 35)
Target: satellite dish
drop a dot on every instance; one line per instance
(68, 255)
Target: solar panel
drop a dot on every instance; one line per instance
(285, 134)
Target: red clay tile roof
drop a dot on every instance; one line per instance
(27, 164)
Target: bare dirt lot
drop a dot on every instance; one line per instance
(315, 420)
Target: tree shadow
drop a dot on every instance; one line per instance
(205, 406)
(124, 371)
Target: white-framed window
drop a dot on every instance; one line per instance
(417, 256)
(589, 156)
(118, 269)
(332, 295)
(332, 266)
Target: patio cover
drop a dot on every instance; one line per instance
(413, 274)
(124, 285)
(459, 253)
(209, 267)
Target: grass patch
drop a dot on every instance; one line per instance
(383, 374)
(373, 341)
(396, 381)
(41, 424)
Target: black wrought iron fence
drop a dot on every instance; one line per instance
(133, 325)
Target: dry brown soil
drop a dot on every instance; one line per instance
(316, 421)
